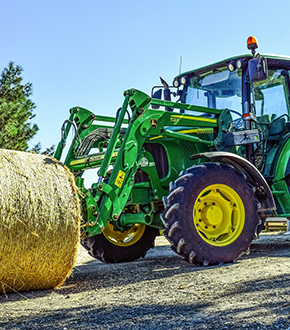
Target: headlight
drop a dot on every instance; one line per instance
(183, 80)
(232, 66)
(240, 64)
(176, 83)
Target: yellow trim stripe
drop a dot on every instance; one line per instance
(188, 131)
(156, 137)
(197, 130)
(91, 159)
(208, 120)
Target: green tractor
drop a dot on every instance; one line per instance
(207, 163)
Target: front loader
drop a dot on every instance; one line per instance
(208, 167)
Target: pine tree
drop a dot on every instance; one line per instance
(16, 110)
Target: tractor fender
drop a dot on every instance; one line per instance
(262, 190)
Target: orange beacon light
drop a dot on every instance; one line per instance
(252, 43)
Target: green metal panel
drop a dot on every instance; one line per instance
(281, 192)
(280, 170)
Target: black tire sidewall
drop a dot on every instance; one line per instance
(109, 252)
(194, 242)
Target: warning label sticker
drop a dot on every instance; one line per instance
(120, 179)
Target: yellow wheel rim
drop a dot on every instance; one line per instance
(127, 238)
(219, 215)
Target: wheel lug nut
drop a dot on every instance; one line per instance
(204, 203)
(199, 220)
(214, 227)
(199, 210)
(206, 227)
(213, 203)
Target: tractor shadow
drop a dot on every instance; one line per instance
(191, 314)
(159, 263)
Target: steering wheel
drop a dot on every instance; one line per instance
(238, 123)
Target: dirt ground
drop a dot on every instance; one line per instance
(162, 291)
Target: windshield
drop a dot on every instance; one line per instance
(219, 89)
(272, 94)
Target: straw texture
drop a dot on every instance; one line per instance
(39, 222)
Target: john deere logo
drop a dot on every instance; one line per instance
(153, 123)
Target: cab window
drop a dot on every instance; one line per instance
(272, 95)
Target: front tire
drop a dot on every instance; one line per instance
(115, 246)
(211, 214)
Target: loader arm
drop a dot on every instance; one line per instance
(107, 198)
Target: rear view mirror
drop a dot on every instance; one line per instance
(156, 95)
(258, 69)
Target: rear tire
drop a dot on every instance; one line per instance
(114, 247)
(211, 214)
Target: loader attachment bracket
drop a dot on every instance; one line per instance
(110, 192)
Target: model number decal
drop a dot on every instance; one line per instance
(174, 119)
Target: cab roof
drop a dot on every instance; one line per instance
(275, 61)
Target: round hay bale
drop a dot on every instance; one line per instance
(39, 221)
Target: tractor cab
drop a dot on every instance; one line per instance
(226, 84)
(255, 88)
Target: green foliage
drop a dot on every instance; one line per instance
(16, 110)
(49, 151)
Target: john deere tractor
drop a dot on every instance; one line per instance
(206, 160)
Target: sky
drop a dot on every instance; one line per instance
(87, 53)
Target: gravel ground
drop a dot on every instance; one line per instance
(162, 291)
